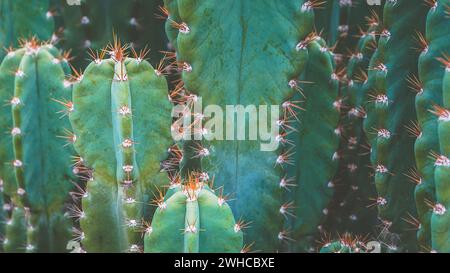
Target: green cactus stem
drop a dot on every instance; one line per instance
(390, 108)
(121, 118)
(41, 183)
(192, 219)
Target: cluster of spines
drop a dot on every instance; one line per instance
(440, 226)
(428, 88)
(184, 213)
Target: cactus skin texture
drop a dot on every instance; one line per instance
(122, 122)
(390, 108)
(34, 76)
(192, 219)
(24, 18)
(314, 166)
(242, 73)
(429, 94)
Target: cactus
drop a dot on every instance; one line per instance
(121, 118)
(204, 219)
(440, 226)
(284, 49)
(24, 18)
(439, 220)
(346, 244)
(32, 77)
(390, 108)
(429, 93)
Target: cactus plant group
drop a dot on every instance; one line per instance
(122, 153)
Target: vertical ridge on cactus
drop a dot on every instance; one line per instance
(390, 107)
(429, 93)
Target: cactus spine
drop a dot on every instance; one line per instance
(204, 219)
(429, 93)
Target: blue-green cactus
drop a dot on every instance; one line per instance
(121, 118)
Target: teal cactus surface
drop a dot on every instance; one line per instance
(34, 80)
(390, 109)
(277, 216)
(429, 93)
(191, 218)
(122, 120)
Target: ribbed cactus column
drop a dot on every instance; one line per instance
(429, 94)
(308, 181)
(256, 56)
(390, 109)
(440, 220)
(192, 219)
(41, 162)
(122, 120)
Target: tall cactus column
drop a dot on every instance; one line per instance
(390, 109)
(121, 118)
(429, 94)
(41, 162)
(255, 56)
